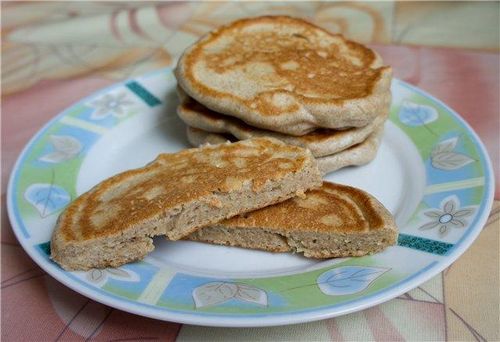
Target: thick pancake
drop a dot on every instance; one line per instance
(285, 75)
(333, 221)
(321, 142)
(356, 155)
(176, 194)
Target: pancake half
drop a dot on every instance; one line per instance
(332, 221)
(174, 195)
(321, 142)
(286, 75)
(356, 155)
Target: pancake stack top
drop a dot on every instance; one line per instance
(285, 78)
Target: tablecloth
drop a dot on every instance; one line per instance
(54, 53)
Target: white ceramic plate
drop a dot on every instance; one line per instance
(431, 172)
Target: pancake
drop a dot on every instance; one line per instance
(332, 221)
(286, 75)
(321, 142)
(356, 155)
(175, 195)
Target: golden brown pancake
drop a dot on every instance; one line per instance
(333, 221)
(174, 195)
(286, 75)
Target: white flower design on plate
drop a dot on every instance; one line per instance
(110, 104)
(449, 216)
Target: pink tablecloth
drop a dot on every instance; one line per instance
(459, 304)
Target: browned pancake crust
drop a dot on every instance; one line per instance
(331, 208)
(332, 221)
(336, 80)
(295, 73)
(134, 196)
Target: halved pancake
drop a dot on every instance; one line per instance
(176, 194)
(285, 75)
(321, 142)
(332, 221)
(356, 155)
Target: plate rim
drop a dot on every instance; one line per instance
(259, 320)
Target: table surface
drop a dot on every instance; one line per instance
(56, 53)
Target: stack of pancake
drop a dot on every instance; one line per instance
(285, 78)
(261, 80)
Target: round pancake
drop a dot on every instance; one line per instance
(285, 75)
(321, 142)
(356, 155)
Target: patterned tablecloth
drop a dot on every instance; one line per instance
(55, 53)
